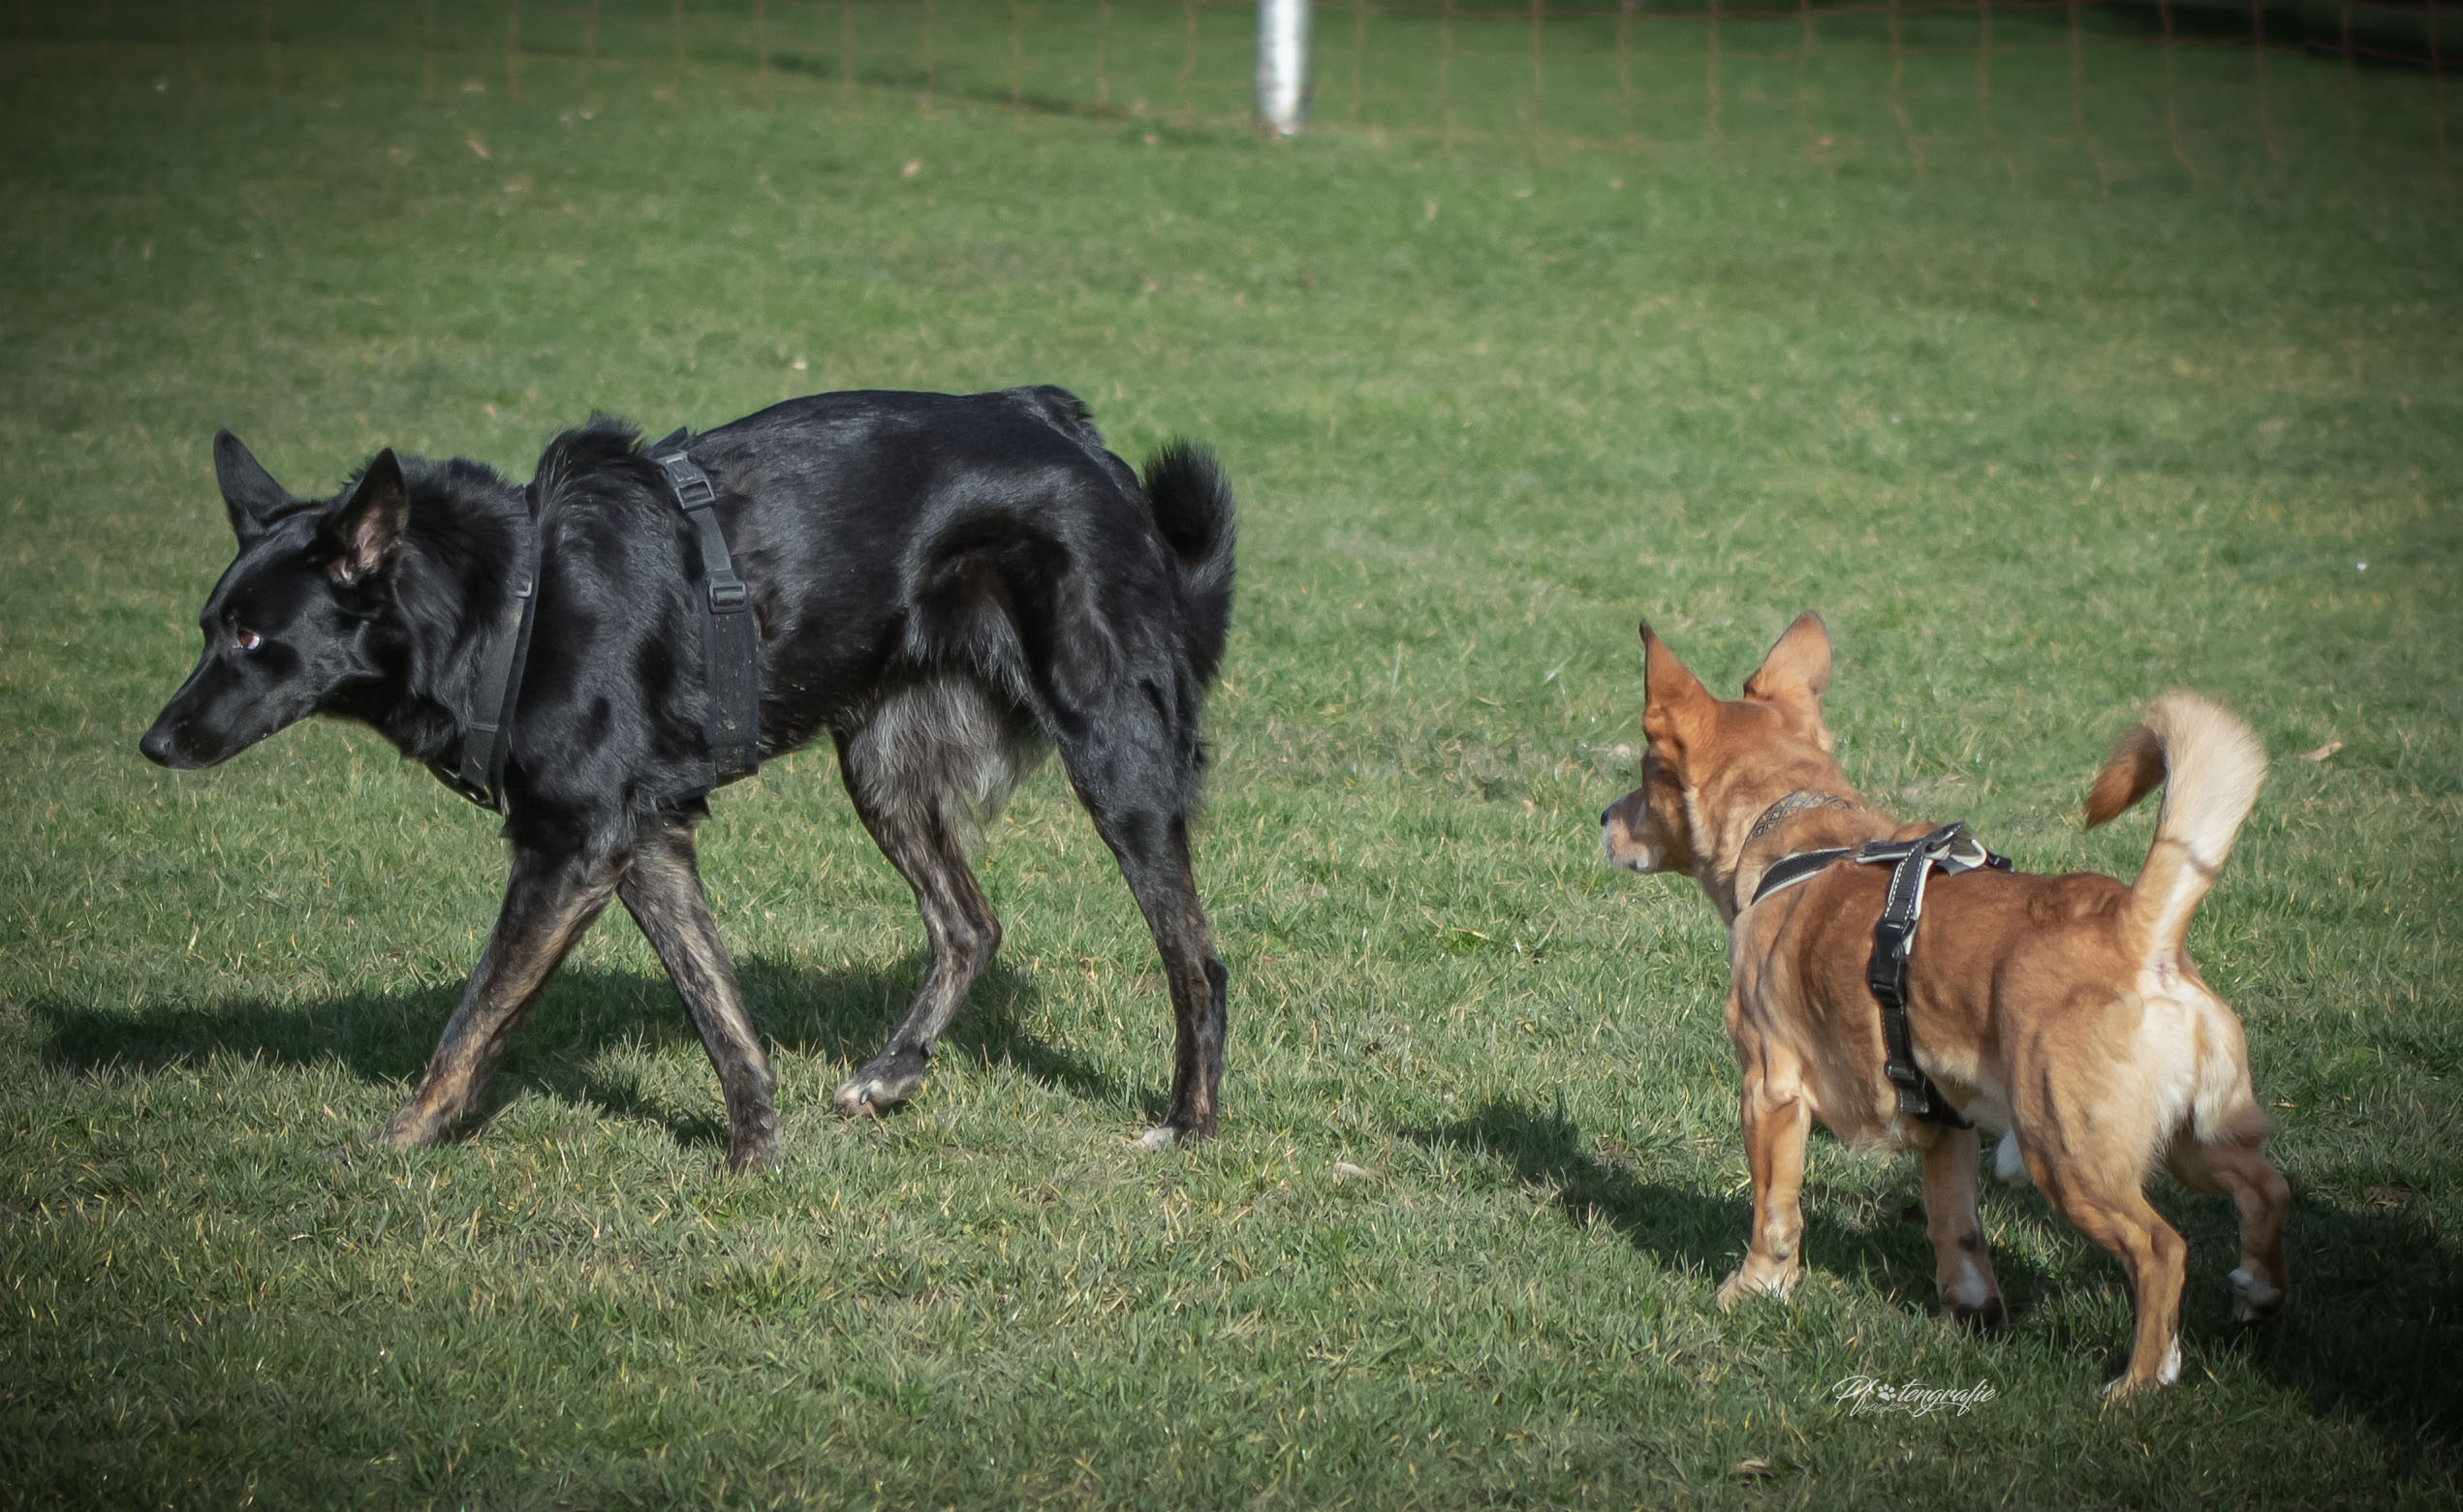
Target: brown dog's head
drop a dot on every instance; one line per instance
(1709, 759)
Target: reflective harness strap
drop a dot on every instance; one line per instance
(731, 643)
(1790, 870)
(1949, 848)
(479, 775)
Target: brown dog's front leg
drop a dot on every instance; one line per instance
(547, 905)
(1776, 1121)
(663, 892)
(1962, 1267)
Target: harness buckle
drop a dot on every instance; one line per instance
(690, 484)
(1885, 972)
(726, 596)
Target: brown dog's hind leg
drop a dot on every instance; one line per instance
(1962, 1267)
(1777, 1119)
(2260, 1283)
(663, 892)
(2111, 1209)
(547, 904)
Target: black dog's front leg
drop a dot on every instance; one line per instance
(663, 891)
(548, 903)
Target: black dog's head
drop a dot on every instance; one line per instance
(289, 629)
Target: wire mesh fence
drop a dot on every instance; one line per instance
(2107, 86)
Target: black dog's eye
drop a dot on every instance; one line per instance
(247, 639)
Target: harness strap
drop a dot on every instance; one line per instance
(478, 774)
(731, 643)
(1790, 870)
(1953, 851)
(1950, 849)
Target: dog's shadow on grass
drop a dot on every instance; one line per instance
(2374, 1327)
(1879, 1239)
(1692, 1231)
(2377, 1306)
(572, 1045)
(1682, 1225)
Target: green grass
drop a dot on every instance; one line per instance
(2037, 452)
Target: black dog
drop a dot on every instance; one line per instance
(948, 585)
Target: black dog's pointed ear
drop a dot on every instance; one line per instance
(248, 491)
(362, 534)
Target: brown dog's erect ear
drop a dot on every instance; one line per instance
(364, 531)
(1798, 670)
(1674, 702)
(248, 491)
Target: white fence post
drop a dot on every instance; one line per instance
(1282, 64)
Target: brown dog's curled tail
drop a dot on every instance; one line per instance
(2211, 764)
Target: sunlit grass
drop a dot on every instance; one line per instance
(2036, 452)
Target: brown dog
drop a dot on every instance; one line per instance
(2058, 1008)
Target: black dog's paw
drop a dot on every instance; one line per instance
(413, 1125)
(753, 1150)
(1178, 1130)
(886, 1080)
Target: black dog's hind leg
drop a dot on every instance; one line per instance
(913, 824)
(663, 891)
(1135, 780)
(549, 901)
(1153, 848)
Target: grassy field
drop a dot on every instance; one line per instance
(2037, 452)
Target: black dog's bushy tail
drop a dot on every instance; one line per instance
(1192, 501)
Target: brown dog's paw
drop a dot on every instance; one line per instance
(1757, 1277)
(1988, 1317)
(2255, 1303)
(2135, 1381)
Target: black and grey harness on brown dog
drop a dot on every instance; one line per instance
(1950, 850)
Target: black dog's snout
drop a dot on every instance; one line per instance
(1604, 812)
(162, 744)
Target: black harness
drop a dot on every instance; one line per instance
(1950, 850)
(730, 645)
(478, 774)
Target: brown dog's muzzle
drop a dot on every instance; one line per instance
(1624, 833)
